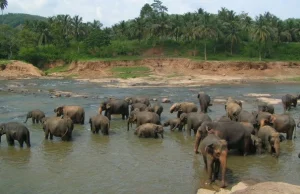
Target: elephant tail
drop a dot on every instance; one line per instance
(65, 132)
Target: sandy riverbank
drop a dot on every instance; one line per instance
(165, 72)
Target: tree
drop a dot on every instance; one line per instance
(77, 30)
(206, 30)
(8, 41)
(158, 7)
(146, 11)
(96, 39)
(261, 32)
(3, 5)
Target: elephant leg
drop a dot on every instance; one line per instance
(269, 148)
(10, 140)
(82, 120)
(46, 134)
(51, 136)
(33, 120)
(21, 142)
(123, 116)
(216, 169)
(205, 163)
(289, 134)
(188, 129)
(246, 145)
(209, 169)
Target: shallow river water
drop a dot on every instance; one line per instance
(121, 162)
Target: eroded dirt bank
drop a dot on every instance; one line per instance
(173, 72)
(19, 69)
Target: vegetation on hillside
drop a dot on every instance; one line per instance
(18, 19)
(200, 35)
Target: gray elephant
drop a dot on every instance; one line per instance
(99, 122)
(223, 118)
(36, 115)
(15, 131)
(193, 121)
(183, 107)
(262, 118)
(265, 107)
(214, 151)
(233, 109)
(245, 116)
(174, 124)
(235, 133)
(289, 100)
(204, 101)
(270, 139)
(284, 123)
(76, 113)
(58, 127)
(114, 106)
(157, 108)
(138, 99)
(142, 117)
(138, 105)
(149, 130)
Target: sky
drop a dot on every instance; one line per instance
(110, 12)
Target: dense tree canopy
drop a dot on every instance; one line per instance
(195, 34)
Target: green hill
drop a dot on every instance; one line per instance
(16, 19)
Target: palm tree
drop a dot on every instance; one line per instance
(77, 30)
(3, 5)
(207, 30)
(137, 28)
(261, 32)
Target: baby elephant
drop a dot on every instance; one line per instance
(149, 130)
(270, 139)
(15, 131)
(99, 122)
(174, 124)
(36, 115)
(214, 151)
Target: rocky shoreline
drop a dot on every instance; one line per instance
(256, 188)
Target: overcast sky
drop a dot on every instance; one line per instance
(110, 12)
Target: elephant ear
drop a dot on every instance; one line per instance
(179, 108)
(108, 105)
(183, 117)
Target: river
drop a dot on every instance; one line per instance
(121, 162)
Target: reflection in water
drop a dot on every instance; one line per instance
(15, 156)
(122, 162)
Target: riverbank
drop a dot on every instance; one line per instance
(160, 72)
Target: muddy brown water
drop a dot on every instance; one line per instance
(121, 162)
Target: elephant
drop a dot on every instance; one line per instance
(138, 105)
(214, 151)
(58, 127)
(270, 139)
(265, 107)
(204, 101)
(262, 118)
(99, 122)
(149, 130)
(157, 108)
(298, 125)
(223, 118)
(142, 117)
(174, 124)
(15, 131)
(289, 100)
(284, 123)
(235, 133)
(245, 116)
(193, 121)
(256, 144)
(233, 110)
(183, 107)
(230, 99)
(132, 100)
(36, 115)
(114, 106)
(75, 113)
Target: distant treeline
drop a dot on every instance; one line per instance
(202, 35)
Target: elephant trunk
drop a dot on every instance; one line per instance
(223, 163)
(100, 110)
(277, 148)
(26, 119)
(128, 125)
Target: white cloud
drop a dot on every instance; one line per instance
(110, 12)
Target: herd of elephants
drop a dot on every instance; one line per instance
(249, 133)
